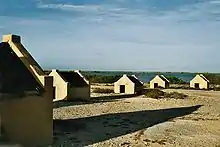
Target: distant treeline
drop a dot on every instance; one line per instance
(213, 78)
(112, 79)
(175, 80)
(102, 79)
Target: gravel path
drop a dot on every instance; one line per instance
(138, 121)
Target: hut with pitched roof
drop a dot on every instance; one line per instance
(128, 85)
(159, 81)
(199, 82)
(70, 85)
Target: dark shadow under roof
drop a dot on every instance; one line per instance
(136, 81)
(163, 78)
(14, 75)
(47, 72)
(73, 78)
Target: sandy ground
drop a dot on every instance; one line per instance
(139, 121)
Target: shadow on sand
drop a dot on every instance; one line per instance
(90, 130)
(92, 100)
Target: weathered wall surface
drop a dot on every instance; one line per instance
(139, 88)
(29, 120)
(82, 93)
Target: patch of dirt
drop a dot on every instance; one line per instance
(137, 121)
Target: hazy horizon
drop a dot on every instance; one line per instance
(134, 35)
(146, 71)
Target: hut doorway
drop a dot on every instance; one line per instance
(122, 88)
(54, 92)
(197, 85)
(155, 85)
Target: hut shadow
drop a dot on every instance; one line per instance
(92, 100)
(114, 97)
(90, 130)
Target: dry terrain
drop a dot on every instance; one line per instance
(140, 121)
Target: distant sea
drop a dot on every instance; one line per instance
(144, 76)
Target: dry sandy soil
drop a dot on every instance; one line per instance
(139, 121)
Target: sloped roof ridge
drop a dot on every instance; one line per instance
(201, 75)
(80, 74)
(134, 79)
(137, 78)
(73, 78)
(163, 77)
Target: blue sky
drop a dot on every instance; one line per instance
(138, 35)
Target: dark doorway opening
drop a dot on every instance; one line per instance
(155, 85)
(166, 85)
(122, 88)
(197, 85)
(54, 92)
(3, 136)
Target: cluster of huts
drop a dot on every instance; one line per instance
(28, 90)
(131, 84)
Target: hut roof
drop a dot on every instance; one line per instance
(74, 78)
(14, 76)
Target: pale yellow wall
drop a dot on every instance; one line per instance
(82, 93)
(203, 84)
(129, 85)
(61, 87)
(64, 91)
(29, 120)
(158, 80)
